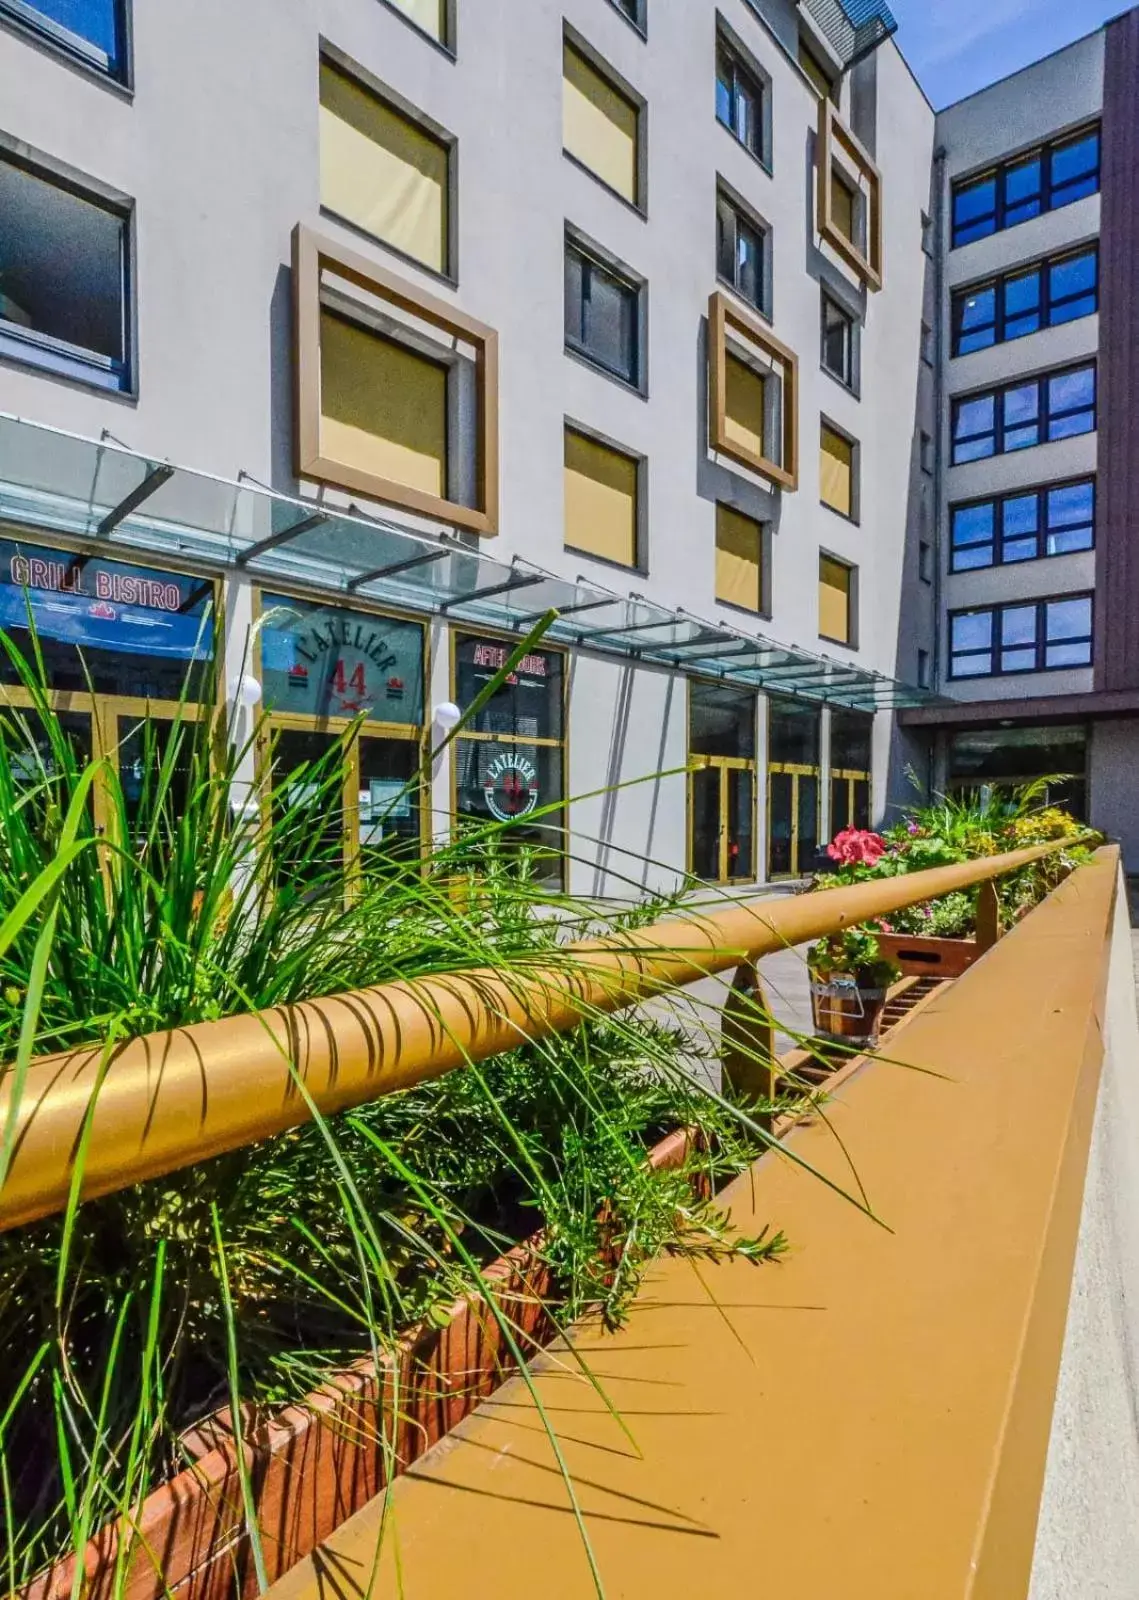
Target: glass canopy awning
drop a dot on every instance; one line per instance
(59, 482)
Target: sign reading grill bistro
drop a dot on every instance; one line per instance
(323, 661)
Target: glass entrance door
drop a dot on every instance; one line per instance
(851, 764)
(793, 788)
(722, 808)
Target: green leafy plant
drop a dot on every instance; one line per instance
(855, 953)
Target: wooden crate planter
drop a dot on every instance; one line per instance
(920, 957)
(314, 1464)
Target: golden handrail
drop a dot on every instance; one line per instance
(170, 1100)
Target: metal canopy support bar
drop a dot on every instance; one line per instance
(566, 611)
(282, 536)
(424, 559)
(143, 491)
(523, 581)
(622, 632)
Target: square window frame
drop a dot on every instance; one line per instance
(395, 102)
(834, 138)
(640, 565)
(576, 239)
(312, 252)
(733, 198)
(22, 17)
(577, 42)
(854, 516)
(722, 315)
(852, 598)
(61, 175)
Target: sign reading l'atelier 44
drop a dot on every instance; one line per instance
(324, 661)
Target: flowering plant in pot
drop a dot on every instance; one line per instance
(850, 977)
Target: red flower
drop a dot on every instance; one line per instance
(857, 847)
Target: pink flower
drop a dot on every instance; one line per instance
(912, 828)
(857, 847)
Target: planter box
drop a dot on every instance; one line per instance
(929, 958)
(314, 1464)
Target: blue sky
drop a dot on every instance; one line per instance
(957, 46)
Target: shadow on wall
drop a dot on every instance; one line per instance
(281, 422)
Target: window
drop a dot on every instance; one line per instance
(925, 561)
(740, 252)
(923, 669)
(739, 98)
(753, 384)
(837, 469)
(1043, 180)
(927, 233)
(1025, 526)
(739, 560)
(1041, 297)
(1034, 636)
(838, 342)
(927, 344)
(634, 11)
(602, 315)
(383, 172)
(1007, 758)
(821, 78)
(925, 453)
(601, 125)
(510, 757)
(601, 499)
(399, 405)
(849, 198)
(836, 600)
(432, 17)
(64, 276)
(1058, 405)
(93, 31)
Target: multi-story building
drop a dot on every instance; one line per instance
(1036, 184)
(348, 340)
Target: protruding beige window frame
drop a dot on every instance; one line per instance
(722, 315)
(835, 140)
(312, 252)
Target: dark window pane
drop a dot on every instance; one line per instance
(92, 28)
(1071, 518)
(1068, 655)
(838, 342)
(724, 78)
(972, 630)
(749, 262)
(605, 327)
(1019, 660)
(974, 210)
(1018, 625)
(1020, 515)
(979, 665)
(721, 722)
(1073, 286)
(527, 706)
(1075, 169)
(1022, 304)
(61, 280)
(1071, 403)
(976, 320)
(1069, 619)
(725, 240)
(575, 331)
(974, 416)
(969, 557)
(1022, 191)
(1023, 549)
(973, 524)
(739, 100)
(1021, 404)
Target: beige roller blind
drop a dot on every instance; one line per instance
(430, 15)
(381, 171)
(383, 407)
(601, 500)
(599, 125)
(743, 406)
(739, 559)
(842, 206)
(834, 600)
(836, 471)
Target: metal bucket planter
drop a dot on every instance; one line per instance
(846, 1013)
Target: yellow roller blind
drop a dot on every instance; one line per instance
(601, 500)
(430, 15)
(381, 171)
(842, 206)
(739, 559)
(599, 125)
(814, 71)
(383, 407)
(743, 406)
(836, 472)
(834, 600)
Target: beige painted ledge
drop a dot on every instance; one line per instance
(867, 1421)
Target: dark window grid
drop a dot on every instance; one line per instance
(837, 339)
(1023, 637)
(1019, 194)
(741, 253)
(580, 316)
(739, 100)
(103, 46)
(1035, 304)
(1046, 423)
(1027, 539)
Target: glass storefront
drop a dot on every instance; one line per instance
(509, 759)
(126, 651)
(328, 672)
(793, 787)
(1007, 758)
(721, 786)
(852, 762)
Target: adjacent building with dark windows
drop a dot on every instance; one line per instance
(805, 413)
